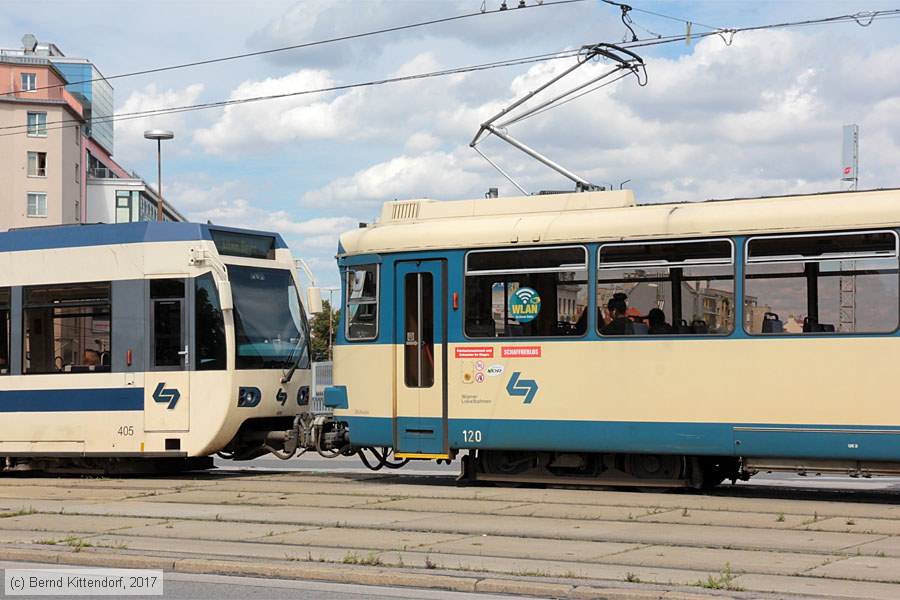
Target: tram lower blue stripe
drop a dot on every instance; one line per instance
(89, 400)
(839, 442)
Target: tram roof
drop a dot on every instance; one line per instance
(425, 224)
(103, 234)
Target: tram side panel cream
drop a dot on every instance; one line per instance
(828, 381)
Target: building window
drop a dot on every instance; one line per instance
(124, 207)
(29, 82)
(526, 293)
(67, 328)
(834, 283)
(37, 164)
(362, 303)
(37, 204)
(37, 124)
(688, 286)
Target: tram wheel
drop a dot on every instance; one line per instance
(655, 466)
(498, 462)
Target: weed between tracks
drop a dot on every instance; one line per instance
(722, 581)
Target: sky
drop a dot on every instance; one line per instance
(737, 115)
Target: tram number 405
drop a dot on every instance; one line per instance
(471, 436)
(126, 430)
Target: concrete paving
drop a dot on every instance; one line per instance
(427, 532)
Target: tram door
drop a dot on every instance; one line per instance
(167, 382)
(420, 330)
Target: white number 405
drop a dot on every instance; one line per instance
(472, 435)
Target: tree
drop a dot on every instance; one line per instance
(321, 325)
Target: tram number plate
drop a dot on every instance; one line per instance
(126, 430)
(471, 436)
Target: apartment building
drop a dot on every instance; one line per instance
(56, 144)
(41, 145)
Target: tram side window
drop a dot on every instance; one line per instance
(362, 303)
(534, 292)
(67, 328)
(4, 331)
(691, 282)
(210, 325)
(827, 283)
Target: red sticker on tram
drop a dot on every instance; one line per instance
(475, 352)
(521, 351)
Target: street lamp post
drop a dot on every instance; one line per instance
(159, 135)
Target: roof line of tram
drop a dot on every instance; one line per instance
(425, 224)
(105, 234)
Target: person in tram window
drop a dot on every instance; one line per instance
(656, 318)
(91, 358)
(619, 323)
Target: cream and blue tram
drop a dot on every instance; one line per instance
(130, 345)
(762, 335)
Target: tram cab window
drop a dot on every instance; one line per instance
(4, 331)
(65, 327)
(532, 292)
(822, 283)
(691, 282)
(210, 325)
(361, 293)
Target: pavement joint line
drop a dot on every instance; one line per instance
(371, 575)
(466, 533)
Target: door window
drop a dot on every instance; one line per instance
(418, 343)
(167, 296)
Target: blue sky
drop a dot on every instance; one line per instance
(758, 117)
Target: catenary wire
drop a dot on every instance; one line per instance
(869, 17)
(305, 45)
(224, 103)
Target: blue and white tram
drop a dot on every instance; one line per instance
(165, 341)
(483, 326)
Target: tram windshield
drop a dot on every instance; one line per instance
(269, 327)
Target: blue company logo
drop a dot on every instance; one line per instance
(522, 387)
(524, 305)
(163, 395)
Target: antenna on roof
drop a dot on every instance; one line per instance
(624, 60)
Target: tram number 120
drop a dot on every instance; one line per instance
(471, 436)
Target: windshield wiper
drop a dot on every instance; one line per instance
(296, 365)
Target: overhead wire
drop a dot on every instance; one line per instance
(336, 88)
(308, 44)
(863, 19)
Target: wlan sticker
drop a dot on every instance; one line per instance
(524, 305)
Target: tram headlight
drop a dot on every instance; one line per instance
(249, 397)
(303, 395)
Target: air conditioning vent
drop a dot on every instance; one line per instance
(404, 211)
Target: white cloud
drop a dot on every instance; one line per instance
(435, 174)
(130, 145)
(257, 126)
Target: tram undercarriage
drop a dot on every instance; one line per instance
(643, 471)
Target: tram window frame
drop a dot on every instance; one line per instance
(820, 256)
(46, 309)
(362, 302)
(209, 326)
(676, 262)
(545, 269)
(5, 324)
